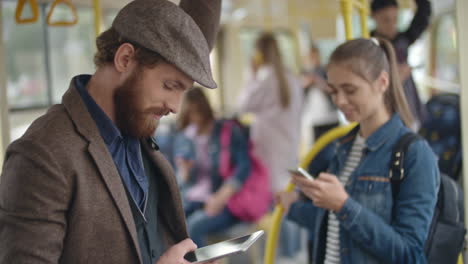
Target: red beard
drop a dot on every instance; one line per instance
(131, 118)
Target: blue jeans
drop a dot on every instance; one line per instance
(200, 224)
(191, 207)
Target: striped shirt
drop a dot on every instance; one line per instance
(332, 255)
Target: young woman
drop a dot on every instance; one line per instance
(206, 193)
(353, 216)
(274, 96)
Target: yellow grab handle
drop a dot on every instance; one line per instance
(97, 17)
(19, 12)
(273, 232)
(64, 22)
(347, 11)
(364, 13)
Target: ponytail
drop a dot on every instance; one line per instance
(395, 95)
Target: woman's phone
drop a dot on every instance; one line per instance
(302, 172)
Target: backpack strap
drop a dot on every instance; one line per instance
(397, 169)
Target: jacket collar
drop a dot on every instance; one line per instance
(380, 136)
(86, 126)
(107, 128)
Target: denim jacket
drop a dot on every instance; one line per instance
(184, 148)
(374, 226)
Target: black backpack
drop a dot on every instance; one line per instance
(446, 235)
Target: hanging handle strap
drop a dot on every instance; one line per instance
(19, 12)
(62, 23)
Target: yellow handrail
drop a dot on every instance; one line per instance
(62, 23)
(273, 233)
(97, 17)
(347, 10)
(19, 12)
(364, 13)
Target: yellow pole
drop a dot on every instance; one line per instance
(347, 10)
(364, 12)
(273, 233)
(97, 17)
(462, 37)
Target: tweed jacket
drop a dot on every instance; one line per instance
(62, 199)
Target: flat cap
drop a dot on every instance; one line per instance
(163, 27)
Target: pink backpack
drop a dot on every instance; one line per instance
(253, 200)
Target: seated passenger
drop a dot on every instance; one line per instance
(207, 193)
(353, 216)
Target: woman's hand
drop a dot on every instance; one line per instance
(216, 203)
(285, 199)
(184, 166)
(326, 191)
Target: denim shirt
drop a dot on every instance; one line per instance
(125, 150)
(374, 226)
(239, 150)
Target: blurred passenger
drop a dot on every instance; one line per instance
(314, 74)
(207, 193)
(319, 113)
(86, 182)
(354, 216)
(274, 95)
(385, 15)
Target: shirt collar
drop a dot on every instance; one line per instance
(383, 133)
(107, 128)
(380, 136)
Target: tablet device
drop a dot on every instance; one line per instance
(302, 172)
(223, 249)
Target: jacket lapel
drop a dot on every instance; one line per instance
(170, 207)
(102, 158)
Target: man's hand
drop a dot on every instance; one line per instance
(175, 254)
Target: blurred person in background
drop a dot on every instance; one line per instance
(319, 113)
(206, 192)
(274, 95)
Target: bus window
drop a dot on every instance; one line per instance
(26, 76)
(446, 57)
(77, 42)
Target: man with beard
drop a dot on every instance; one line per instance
(86, 183)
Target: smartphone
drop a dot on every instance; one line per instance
(223, 249)
(302, 172)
